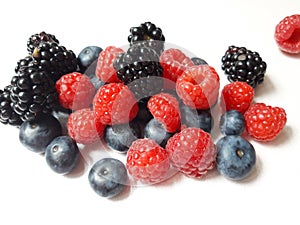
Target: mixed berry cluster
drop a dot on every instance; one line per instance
(150, 103)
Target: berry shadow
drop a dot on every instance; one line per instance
(285, 136)
(266, 87)
(255, 172)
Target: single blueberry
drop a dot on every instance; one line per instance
(232, 122)
(108, 177)
(37, 134)
(198, 61)
(88, 55)
(62, 154)
(156, 131)
(236, 157)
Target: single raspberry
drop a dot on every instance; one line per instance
(83, 126)
(147, 161)
(165, 109)
(114, 103)
(264, 123)
(237, 95)
(192, 151)
(198, 87)
(105, 70)
(75, 90)
(174, 63)
(287, 34)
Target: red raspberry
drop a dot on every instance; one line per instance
(105, 69)
(147, 161)
(174, 62)
(192, 151)
(165, 108)
(83, 127)
(75, 91)
(198, 87)
(287, 34)
(263, 122)
(114, 103)
(237, 95)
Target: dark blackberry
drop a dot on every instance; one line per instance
(140, 69)
(149, 35)
(55, 59)
(35, 40)
(32, 92)
(7, 114)
(241, 64)
(24, 62)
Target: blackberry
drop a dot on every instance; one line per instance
(35, 40)
(149, 35)
(32, 92)
(24, 62)
(55, 59)
(139, 68)
(241, 64)
(7, 114)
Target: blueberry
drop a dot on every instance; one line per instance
(156, 131)
(236, 157)
(120, 136)
(90, 71)
(232, 122)
(62, 154)
(198, 61)
(196, 118)
(144, 114)
(88, 55)
(37, 134)
(108, 177)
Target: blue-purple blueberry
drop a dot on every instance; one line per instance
(232, 122)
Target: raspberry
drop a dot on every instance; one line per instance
(263, 122)
(147, 161)
(114, 103)
(75, 90)
(237, 95)
(287, 34)
(105, 69)
(174, 63)
(165, 109)
(83, 127)
(198, 87)
(192, 151)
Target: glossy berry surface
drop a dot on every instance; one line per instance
(198, 87)
(147, 161)
(120, 136)
(114, 103)
(263, 122)
(236, 157)
(87, 56)
(192, 152)
(237, 96)
(83, 126)
(165, 108)
(108, 177)
(75, 91)
(35, 135)
(287, 34)
(62, 154)
(232, 122)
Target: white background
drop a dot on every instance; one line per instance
(32, 194)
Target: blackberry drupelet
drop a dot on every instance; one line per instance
(7, 114)
(139, 68)
(36, 39)
(55, 59)
(32, 92)
(149, 35)
(241, 64)
(24, 62)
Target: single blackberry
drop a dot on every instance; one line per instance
(55, 59)
(35, 40)
(32, 92)
(24, 62)
(139, 68)
(149, 35)
(241, 64)
(7, 114)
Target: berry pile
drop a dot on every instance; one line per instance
(150, 103)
